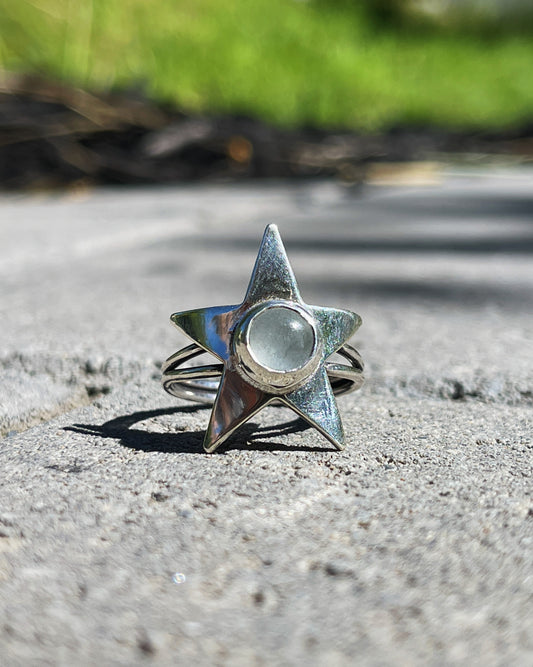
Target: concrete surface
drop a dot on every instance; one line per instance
(122, 543)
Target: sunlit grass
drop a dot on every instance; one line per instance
(287, 61)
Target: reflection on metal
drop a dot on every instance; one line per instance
(240, 385)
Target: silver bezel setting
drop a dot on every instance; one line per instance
(260, 376)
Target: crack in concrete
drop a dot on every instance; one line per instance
(38, 388)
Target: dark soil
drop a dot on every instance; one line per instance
(53, 136)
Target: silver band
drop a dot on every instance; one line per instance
(200, 383)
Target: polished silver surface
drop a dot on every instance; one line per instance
(242, 384)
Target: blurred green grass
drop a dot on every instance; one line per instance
(286, 61)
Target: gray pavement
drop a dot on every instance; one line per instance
(122, 543)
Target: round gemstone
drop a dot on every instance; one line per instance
(281, 339)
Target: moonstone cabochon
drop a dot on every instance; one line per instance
(281, 339)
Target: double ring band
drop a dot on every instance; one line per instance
(201, 383)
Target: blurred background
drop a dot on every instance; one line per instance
(116, 91)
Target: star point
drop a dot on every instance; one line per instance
(272, 276)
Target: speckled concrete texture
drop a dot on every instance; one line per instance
(122, 543)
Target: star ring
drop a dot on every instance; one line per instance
(272, 348)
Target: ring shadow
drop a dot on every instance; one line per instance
(251, 436)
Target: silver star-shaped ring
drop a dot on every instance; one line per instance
(273, 347)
